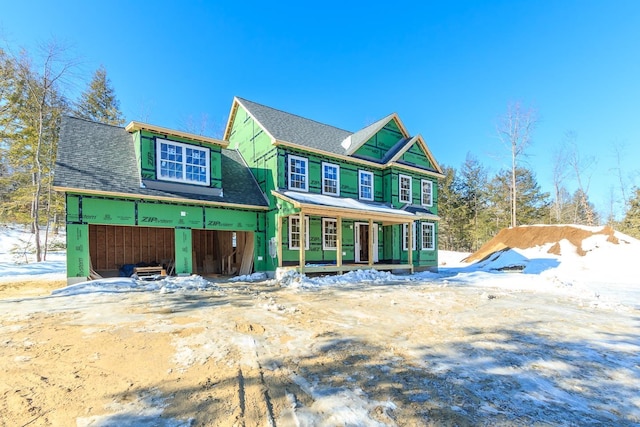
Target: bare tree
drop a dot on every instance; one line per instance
(514, 130)
(41, 108)
(559, 172)
(581, 168)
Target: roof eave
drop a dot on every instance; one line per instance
(134, 126)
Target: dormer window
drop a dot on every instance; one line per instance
(182, 162)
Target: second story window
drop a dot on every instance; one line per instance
(405, 188)
(182, 162)
(298, 173)
(427, 192)
(330, 179)
(365, 185)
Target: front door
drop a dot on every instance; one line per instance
(361, 231)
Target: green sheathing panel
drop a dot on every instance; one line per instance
(136, 148)
(415, 156)
(183, 251)
(108, 211)
(231, 220)
(146, 146)
(161, 215)
(379, 144)
(348, 174)
(392, 188)
(421, 258)
(77, 250)
(253, 143)
(73, 208)
(147, 155)
(216, 168)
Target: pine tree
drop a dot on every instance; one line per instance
(533, 205)
(99, 102)
(631, 221)
(473, 187)
(454, 223)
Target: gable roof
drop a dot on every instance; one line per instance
(98, 158)
(287, 127)
(293, 129)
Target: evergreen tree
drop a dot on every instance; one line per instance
(630, 224)
(533, 205)
(581, 210)
(454, 223)
(99, 102)
(473, 187)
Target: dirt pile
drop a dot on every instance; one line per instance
(526, 237)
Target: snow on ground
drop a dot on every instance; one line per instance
(547, 376)
(17, 260)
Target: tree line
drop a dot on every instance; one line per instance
(33, 98)
(474, 205)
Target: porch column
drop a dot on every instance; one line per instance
(371, 257)
(410, 244)
(279, 240)
(339, 243)
(303, 243)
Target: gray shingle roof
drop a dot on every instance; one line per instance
(297, 130)
(98, 157)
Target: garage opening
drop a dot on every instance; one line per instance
(112, 246)
(225, 253)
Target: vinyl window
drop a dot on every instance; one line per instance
(329, 234)
(405, 237)
(404, 184)
(426, 192)
(428, 241)
(182, 162)
(330, 179)
(365, 185)
(298, 173)
(294, 232)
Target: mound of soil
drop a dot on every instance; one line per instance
(526, 237)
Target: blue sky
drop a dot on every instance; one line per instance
(448, 68)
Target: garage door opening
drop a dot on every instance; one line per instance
(111, 247)
(226, 253)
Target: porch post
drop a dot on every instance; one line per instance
(339, 244)
(410, 244)
(303, 243)
(371, 257)
(279, 240)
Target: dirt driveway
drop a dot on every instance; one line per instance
(361, 355)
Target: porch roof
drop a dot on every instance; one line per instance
(324, 205)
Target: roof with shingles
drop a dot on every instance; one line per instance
(298, 130)
(98, 157)
(291, 128)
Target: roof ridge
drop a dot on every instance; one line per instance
(292, 114)
(69, 116)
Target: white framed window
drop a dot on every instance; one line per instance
(426, 191)
(329, 234)
(365, 185)
(404, 187)
(330, 179)
(405, 237)
(180, 162)
(427, 234)
(294, 232)
(298, 173)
